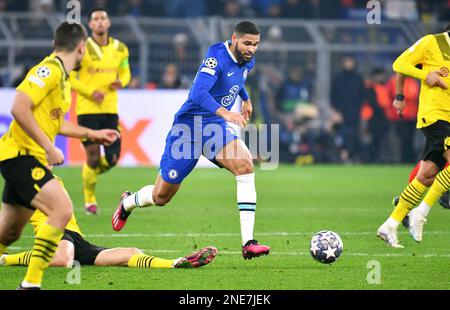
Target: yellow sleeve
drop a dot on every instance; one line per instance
(416, 54)
(40, 81)
(80, 87)
(124, 69)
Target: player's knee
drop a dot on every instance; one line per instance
(11, 235)
(426, 178)
(63, 260)
(93, 160)
(245, 167)
(134, 251)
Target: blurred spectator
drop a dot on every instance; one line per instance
(185, 8)
(296, 9)
(41, 6)
(295, 90)
(139, 8)
(405, 126)
(3, 6)
(232, 8)
(347, 96)
(374, 119)
(171, 78)
(266, 8)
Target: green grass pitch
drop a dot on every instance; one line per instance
(293, 203)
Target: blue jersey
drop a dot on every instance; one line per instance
(219, 80)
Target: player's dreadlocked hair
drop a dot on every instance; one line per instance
(246, 27)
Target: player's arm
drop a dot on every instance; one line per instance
(203, 83)
(247, 108)
(124, 74)
(104, 136)
(84, 89)
(22, 111)
(399, 99)
(406, 63)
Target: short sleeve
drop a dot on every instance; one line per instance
(40, 81)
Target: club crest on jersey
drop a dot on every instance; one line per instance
(43, 72)
(56, 113)
(37, 173)
(173, 174)
(245, 74)
(211, 62)
(444, 71)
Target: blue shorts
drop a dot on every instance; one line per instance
(188, 140)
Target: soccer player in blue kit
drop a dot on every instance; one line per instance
(200, 128)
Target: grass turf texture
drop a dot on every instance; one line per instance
(293, 203)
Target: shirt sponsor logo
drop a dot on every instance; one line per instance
(444, 71)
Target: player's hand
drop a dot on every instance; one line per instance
(104, 136)
(54, 156)
(98, 96)
(434, 80)
(235, 118)
(247, 109)
(116, 85)
(399, 105)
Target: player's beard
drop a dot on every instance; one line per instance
(240, 55)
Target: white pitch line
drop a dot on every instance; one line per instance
(150, 251)
(267, 234)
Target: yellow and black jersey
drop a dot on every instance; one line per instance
(101, 66)
(40, 218)
(48, 86)
(433, 52)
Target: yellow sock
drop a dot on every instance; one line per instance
(440, 185)
(103, 165)
(45, 245)
(2, 248)
(145, 261)
(410, 197)
(89, 177)
(20, 259)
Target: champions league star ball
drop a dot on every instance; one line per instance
(326, 246)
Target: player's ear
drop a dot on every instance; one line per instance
(81, 48)
(234, 37)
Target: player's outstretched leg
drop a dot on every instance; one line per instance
(151, 195)
(197, 259)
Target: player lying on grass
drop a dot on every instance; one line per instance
(74, 247)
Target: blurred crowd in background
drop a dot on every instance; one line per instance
(360, 125)
(422, 10)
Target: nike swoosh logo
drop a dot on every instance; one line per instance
(230, 74)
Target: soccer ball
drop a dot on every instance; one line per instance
(326, 246)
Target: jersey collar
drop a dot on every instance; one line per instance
(227, 46)
(61, 63)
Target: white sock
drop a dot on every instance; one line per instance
(392, 223)
(424, 208)
(246, 198)
(141, 199)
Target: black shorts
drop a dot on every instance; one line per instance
(437, 142)
(98, 121)
(85, 253)
(24, 177)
